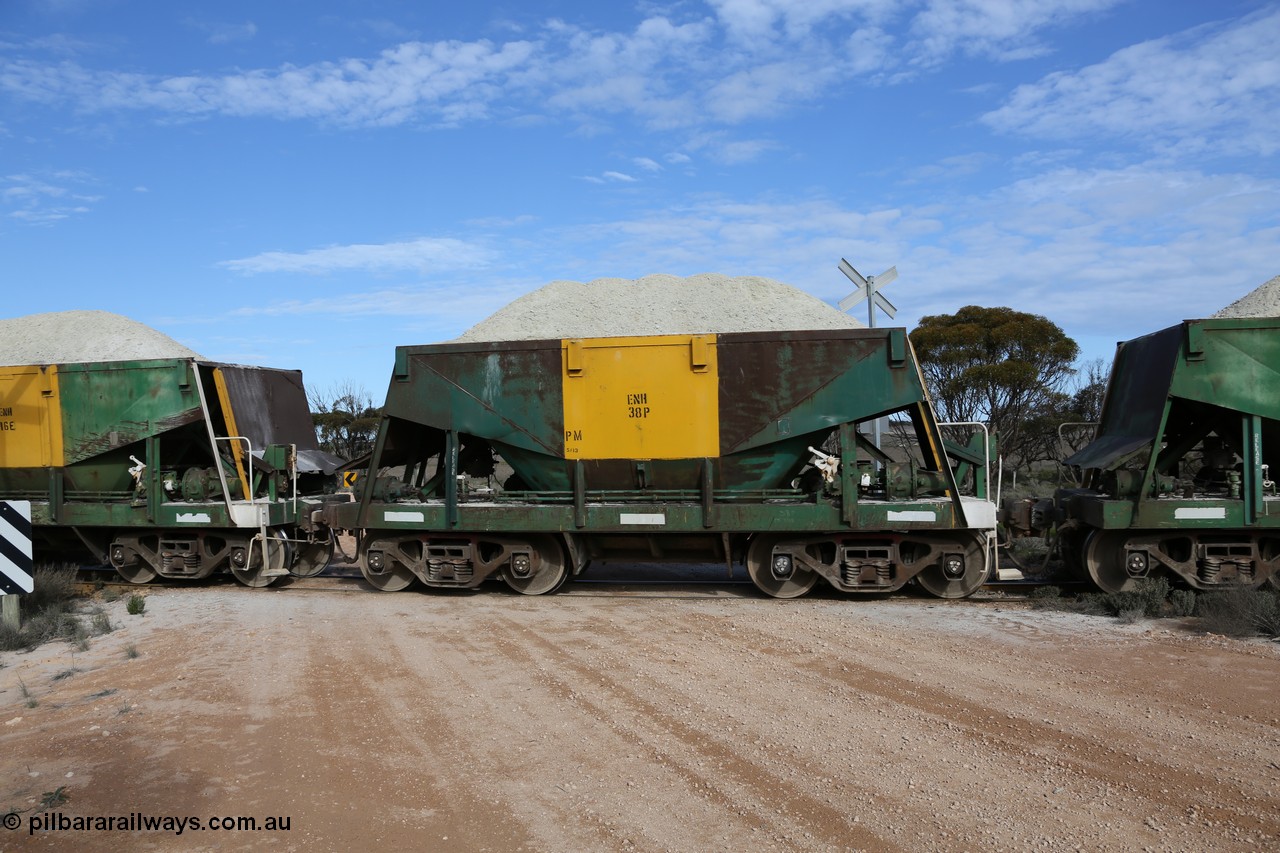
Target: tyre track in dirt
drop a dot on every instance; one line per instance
(814, 824)
(1095, 757)
(486, 721)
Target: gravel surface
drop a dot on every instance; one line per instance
(1263, 302)
(658, 305)
(673, 718)
(64, 337)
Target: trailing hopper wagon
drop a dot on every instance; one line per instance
(1178, 479)
(739, 447)
(173, 467)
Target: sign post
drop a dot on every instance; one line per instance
(868, 288)
(17, 574)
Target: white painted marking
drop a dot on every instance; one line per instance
(389, 515)
(642, 518)
(194, 518)
(912, 515)
(1201, 512)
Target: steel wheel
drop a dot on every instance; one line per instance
(312, 558)
(1104, 560)
(550, 573)
(140, 573)
(391, 577)
(946, 580)
(760, 568)
(274, 557)
(144, 570)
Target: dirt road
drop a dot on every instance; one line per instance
(660, 718)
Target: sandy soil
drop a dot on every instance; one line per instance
(643, 718)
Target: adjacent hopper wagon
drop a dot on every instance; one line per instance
(175, 467)
(1178, 480)
(527, 460)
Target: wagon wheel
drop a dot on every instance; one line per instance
(144, 571)
(390, 577)
(550, 573)
(760, 566)
(140, 573)
(312, 558)
(949, 578)
(275, 556)
(1104, 560)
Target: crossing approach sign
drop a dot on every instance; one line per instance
(16, 572)
(349, 478)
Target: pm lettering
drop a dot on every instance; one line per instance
(636, 405)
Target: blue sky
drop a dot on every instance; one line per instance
(308, 184)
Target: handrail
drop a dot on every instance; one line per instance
(986, 445)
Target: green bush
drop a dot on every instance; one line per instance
(1240, 612)
(1182, 602)
(1147, 598)
(136, 604)
(55, 587)
(1049, 598)
(102, 623)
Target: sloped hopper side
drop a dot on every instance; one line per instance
(1211, 371)
(1131, 412)
(270, 407)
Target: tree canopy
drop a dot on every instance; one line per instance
(1005, 367)
(346, 420)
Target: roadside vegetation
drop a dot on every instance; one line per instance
(1233, 613)
(54, 611)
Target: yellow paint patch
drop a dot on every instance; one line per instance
(641, 398)
(30, 417)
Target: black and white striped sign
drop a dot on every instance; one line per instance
(15, 547)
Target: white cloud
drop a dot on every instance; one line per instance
(997, 29)
(228, 33)
(747, 60)
(43, 199)
(619, 176)
(754, 21)
(445, 82)
(427, 254)
(1134, 240)
(1208, 88)
(647, 164)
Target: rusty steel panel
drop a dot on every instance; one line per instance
(269, 406)
(782, 384)
(506, 392)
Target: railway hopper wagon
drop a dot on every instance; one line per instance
(692, 448)
(1178, 478)
(174, 468)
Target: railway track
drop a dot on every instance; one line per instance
(616, 584)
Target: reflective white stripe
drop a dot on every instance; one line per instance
(1201, 512)
(913, 515)
(403, 516)
(9, 532)
(642, 518)
(193, 518)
